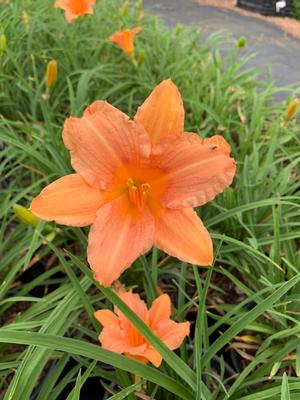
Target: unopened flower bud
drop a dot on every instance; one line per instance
(124, 9)
(25, 17)
(141, 58)
(2, 44)
(241, 42)
(25, 215)
(139, 5)
(50, 237)
(178, 29)
(51, 74)
(292, 109)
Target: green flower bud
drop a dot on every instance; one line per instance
(25, 215)
(2, 44)
(241, 42)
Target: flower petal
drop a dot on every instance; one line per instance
(69, 201)
(181, 234)
(162, 113)
(113, 338)
(125, 39)
(153, 356)
(172, 333)
(195, 170)
(106, 317)
(102, 141)
(134, 302)
(160, 310)
(70, 16)
(61, 4)
(144, 355)
(118, 236)
(141, 359)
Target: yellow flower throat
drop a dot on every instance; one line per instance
(138, 193)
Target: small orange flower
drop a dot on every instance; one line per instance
(75, 8)
(120, 335)
(137, 182)
(124, 39)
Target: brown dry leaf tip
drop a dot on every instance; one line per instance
(34, 260)
(248, 339)
(30, 168)
(243, 354)
(158, 290)
(118, 286)
(242, 116)
(290, 357)
(247, 346)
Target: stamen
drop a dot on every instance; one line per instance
(145, 187)
(130, 182)
(137, 193)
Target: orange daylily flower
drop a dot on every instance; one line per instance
(136, 183)
(120, 335)
(124, 39)
(75, 8)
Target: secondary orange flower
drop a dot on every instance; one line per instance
(120, 335)
(136, 183)
(125, 39)
(75, 8)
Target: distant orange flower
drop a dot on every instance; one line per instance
(124, 39)
(75, 8)
(136, 183)
(120, 335)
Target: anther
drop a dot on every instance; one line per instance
(137, 193)
(145, 187)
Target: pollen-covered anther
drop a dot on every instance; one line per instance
(138, 193)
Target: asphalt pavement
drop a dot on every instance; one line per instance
(277, 55)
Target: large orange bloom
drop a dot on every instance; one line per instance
(120, 335)
(136, 183)
(125, 39)
(75, 8)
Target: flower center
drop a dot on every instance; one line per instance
(134, 337)
(138, 193)
(78, 6)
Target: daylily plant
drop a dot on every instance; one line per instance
(125, 39)
(75, 8)
(137, 182)
(121, 336)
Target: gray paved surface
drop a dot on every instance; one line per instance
(272, 46)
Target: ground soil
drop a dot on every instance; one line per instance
(288, 25)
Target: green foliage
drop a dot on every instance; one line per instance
(251, 294)
(296, 9)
